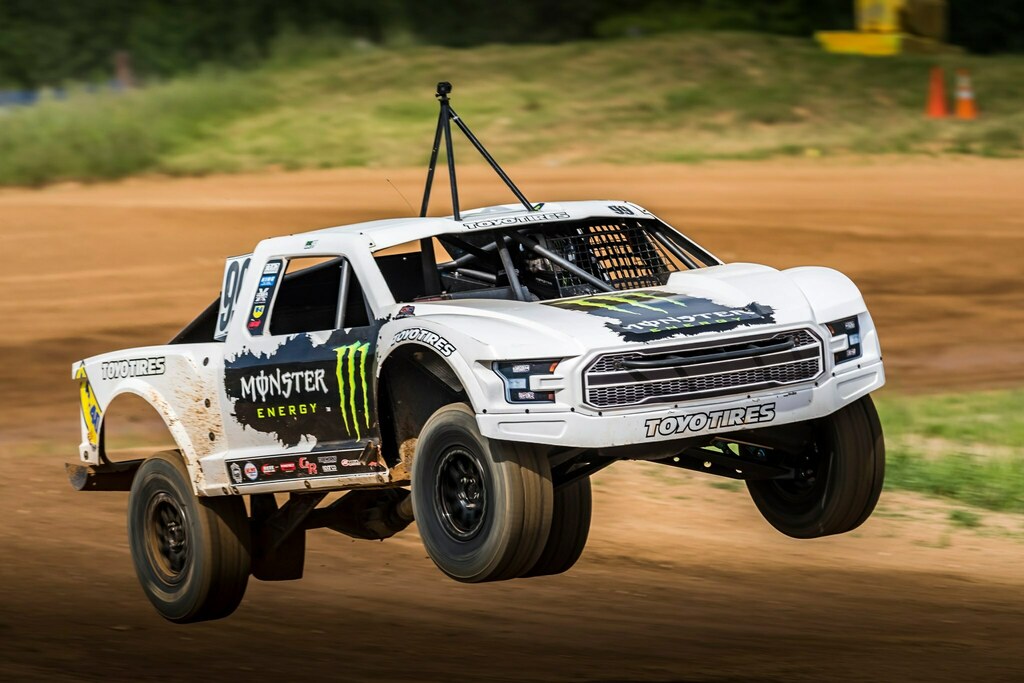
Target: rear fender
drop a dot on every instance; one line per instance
(183, 394)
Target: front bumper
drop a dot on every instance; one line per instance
(695, 418)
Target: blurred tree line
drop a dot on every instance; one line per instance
(46, 42)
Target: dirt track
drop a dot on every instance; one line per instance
(681, 581)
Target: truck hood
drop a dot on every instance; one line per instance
(693, 304)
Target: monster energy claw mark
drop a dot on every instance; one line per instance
(636, 300)
(609, 307)
(349, 357)
(660, 298)
(628, 300)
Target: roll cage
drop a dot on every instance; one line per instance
(560, 259)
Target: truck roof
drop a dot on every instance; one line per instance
(394, 231)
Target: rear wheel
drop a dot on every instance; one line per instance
(570, 526)
(483, 507)
(191, 554)
(838, 478)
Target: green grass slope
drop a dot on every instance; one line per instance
(669, 98)
(969, 447)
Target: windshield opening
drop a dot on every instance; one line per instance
(545, 261)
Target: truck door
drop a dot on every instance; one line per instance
(299, 382)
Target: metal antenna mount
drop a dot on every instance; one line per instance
(444, 121)
(431, 276)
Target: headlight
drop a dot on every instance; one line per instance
(516, 377)
(845, 344)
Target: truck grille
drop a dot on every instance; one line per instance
(693, 371)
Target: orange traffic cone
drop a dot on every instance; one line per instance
(937, 94)
(965, 107)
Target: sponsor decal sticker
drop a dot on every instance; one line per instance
(133, 367)
(651, 314)
(432, 339)
(309, 244)
(264, 294)
(286, 468)
(515, 220)
(712, 419)
(352, 382)
(406, 312)
(320, 391)
(91, 413)
(280, 383)
(293, 409)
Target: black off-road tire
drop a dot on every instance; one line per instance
(483, 507)
(570, 526)
(848, 458)
(191, 554)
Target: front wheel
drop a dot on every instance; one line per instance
(838, 477)
(191, 554)
(570, 526)
(483, 507)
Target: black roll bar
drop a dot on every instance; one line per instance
(536, 248)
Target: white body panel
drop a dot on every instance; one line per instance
(202, 414)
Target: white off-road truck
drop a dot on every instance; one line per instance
(471, 373)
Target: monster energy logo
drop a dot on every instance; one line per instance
(615, 302)
(641, 312)
(350, 380)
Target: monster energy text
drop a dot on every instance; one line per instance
(282, 383)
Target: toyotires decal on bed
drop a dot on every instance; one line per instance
(651, 314)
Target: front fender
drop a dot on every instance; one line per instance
(830, 294)
(452, 346)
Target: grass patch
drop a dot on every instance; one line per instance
(727, 484)
(983, 418)
(965, 518)
(684, 97)
(104, 136)
(968, 447)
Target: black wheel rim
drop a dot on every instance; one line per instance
(810, 476)
(167, 542)
(460, 496)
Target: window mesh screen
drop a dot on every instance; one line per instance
(622, 253)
